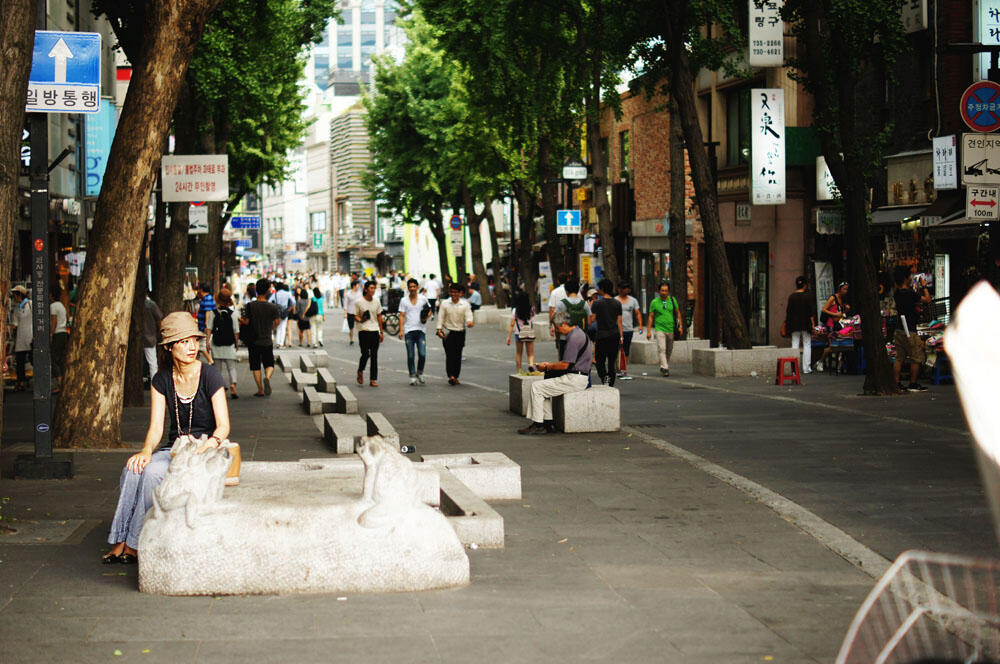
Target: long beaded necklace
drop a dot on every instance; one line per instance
(177, 412)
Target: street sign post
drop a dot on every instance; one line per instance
(198, 220)
(245, 222)
(980, 159)
(195, 177)
(65, 73)
(568, 222)
(980, 106)
(455, 222)
(983, 203)
(574, 171)
(457, 242)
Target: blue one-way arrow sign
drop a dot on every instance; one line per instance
(65, 73)
(568, 222)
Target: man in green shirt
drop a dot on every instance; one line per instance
(665, 320)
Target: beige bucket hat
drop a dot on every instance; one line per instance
(178, 325)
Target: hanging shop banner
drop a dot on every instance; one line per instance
(195, 177)
(100, 131)
(914, 15)
(945, 166)
(826, 188)
(767, 32)
(986, 31)
(767, 124)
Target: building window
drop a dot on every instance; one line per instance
(367, 16)
(605, 155)
(738, 127)
(623, 154)
(317, 221)
(367, 38)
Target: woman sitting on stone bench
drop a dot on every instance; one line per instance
(194, 394)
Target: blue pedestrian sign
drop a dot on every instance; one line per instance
(568, 222)
(245, 222)
(65, 73)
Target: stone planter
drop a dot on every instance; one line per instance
(722, 362)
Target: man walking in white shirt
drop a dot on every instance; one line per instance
(413, 311)
(432, 287)
(455, 315)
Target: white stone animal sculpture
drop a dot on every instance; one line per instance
(971, 345)
(391, 484)
(194, 482)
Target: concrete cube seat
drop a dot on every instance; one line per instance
(594, 409)
(490, 475)
(306, 364)
(300, 380)
(519, 392)
(325, 382)
(347, 403)
(284, 362)
(316, 402)
(342, 432)
(319, 358)
(378, 425)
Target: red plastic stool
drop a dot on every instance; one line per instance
(779, 373)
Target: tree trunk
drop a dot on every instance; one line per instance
(597, 167)
(474, 221)
(734, 325)
(527, 267)
(547, 175)
(16, 38)
(841, 157)
(158, 247)
(678, 202)
(209, 247)
(436, 225)
(134, 360)
(501, 295)
(89, 413)
(175, 245)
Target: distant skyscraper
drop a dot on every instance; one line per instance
(365, 28)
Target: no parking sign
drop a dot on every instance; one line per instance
(980, 106)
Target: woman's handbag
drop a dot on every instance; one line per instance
(784, 329)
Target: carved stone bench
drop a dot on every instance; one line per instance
(347, 403)
(300, 527)
(519, 392)
(594, 409)
(342, 432)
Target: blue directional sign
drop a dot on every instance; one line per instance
(246, 222)
(246, 243)
(65, 73)
(568, 222)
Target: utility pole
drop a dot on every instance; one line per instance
(42, 464)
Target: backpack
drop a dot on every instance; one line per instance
(577, 312)
(222, 328)
(313, 310)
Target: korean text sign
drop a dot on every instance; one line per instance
(767, 32)
(767, 127)
(195, 177)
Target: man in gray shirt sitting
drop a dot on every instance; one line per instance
(578, 356)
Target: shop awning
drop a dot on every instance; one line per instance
(949, 206)
(370, 252)
(893, 215)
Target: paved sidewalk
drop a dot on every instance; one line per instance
(618, 551)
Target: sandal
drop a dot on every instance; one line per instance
(127, 559)
(110, 559)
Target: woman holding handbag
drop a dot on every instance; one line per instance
(194, 393)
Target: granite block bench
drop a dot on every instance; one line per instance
(595, 409)
(316, 402)
(306, 364)
(347, 403)
(342, 432)
(378, 425)
(519, 392)
(300, 380)
(325, 382)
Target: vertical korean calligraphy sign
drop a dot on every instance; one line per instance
(766, 34)
(767, 128)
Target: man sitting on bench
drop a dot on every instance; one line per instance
(570, 375)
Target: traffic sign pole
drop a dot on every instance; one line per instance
(41, 464)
